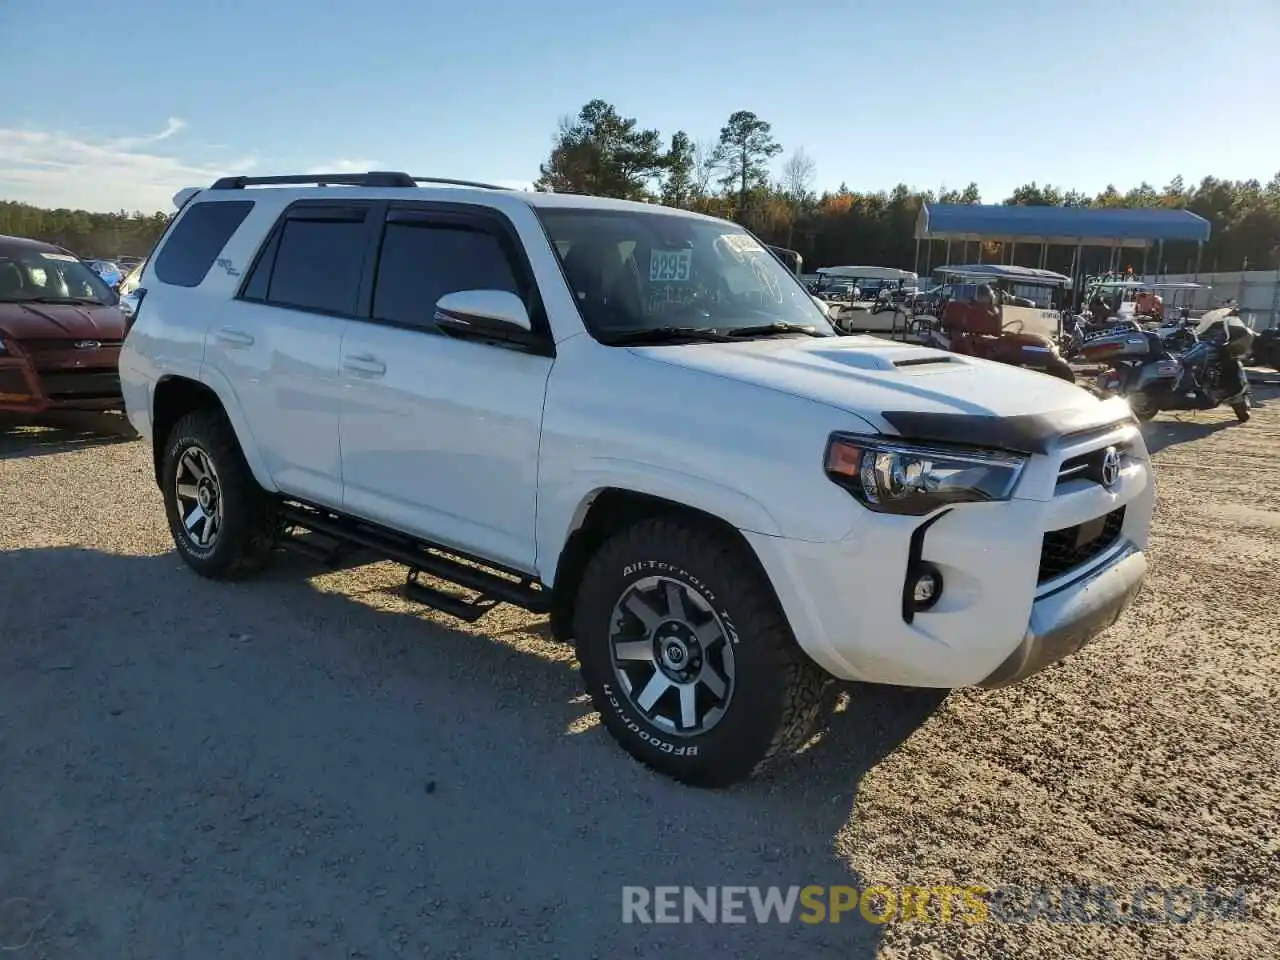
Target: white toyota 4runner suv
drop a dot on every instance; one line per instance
(636, 420)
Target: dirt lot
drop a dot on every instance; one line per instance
(306, 766)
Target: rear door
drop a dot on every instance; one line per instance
(280, 342)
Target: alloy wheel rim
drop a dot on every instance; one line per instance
(199, 495)
(672, 656)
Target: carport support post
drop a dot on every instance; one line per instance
(1013, 252)
(1077, 271)
(1199, 253)
(949, 263)
(1159, 258)
(916, 264)
(1145, 247)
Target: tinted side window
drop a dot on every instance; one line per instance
(421, 262)
(197, 239)
(318, 265)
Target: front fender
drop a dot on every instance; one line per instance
(562, 508)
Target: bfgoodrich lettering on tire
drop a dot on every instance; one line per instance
(222, 522)
(688, 657)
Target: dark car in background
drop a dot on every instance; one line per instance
(60, 331)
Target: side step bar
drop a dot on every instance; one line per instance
(493, 584)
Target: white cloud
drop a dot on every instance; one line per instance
(130, 172)
(345, 166)
(53, 169)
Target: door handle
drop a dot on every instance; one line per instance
(364, 364)
(237, 338)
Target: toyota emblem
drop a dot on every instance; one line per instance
(1110, 467)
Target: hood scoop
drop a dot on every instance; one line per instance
(923, 361)
(887, 356)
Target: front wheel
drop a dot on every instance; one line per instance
(1241, 410)
(688, 657)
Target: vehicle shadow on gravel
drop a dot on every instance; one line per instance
(27, 436)
(1161, 434)
(279, 768)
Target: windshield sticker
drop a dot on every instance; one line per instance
(670, 266)
(61, 257)
(741, 243)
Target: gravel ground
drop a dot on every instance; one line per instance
(306, 766)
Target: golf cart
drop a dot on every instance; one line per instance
(864, 299)
(1001, 313)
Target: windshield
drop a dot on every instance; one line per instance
(41, 275)
(632, 271)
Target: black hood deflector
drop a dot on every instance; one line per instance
(1025, 433)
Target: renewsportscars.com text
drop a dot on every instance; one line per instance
(1149, 903)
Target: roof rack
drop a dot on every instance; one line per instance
(373, 178)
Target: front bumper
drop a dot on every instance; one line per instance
(90, 381)
(1023, 583)
(1063, 622)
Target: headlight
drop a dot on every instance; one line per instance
(890, 476)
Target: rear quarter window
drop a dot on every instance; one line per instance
(197, 239)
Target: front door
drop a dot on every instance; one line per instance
(440, 435)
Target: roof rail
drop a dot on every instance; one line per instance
(373, 178)
(459, 183)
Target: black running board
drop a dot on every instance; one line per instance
(492, 584)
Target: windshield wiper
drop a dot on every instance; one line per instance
(76, 300)
(646, 335)
(779, 327)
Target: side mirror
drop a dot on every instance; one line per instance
(485, 315)
(823, 306)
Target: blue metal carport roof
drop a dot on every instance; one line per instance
(1060, 226)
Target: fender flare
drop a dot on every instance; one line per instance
(223, 390)
(578, 494)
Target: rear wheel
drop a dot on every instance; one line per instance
(1057, 367)
(688, 656)
(1143, 408)
(222, 522)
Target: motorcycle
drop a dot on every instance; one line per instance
(1146, 371)
(1083, 328)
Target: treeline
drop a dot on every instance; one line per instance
(89, 235)
(603, 153)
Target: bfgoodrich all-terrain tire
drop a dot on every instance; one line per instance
(223, 523)
(688, 657)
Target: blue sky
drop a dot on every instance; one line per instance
(105, 115)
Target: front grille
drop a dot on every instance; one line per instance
(81, 385)
(64, 344)
(1087, 466)
(1066, 549)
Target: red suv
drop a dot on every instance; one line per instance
(60, 331)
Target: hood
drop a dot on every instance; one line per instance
(905, 389)
(53, 321)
